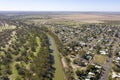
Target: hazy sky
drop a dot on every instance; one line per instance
(60, 5)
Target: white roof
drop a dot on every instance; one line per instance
(119, 53)
(118, 58)
(114, 75)
(103, 52)
(98, 66)
(90, 73)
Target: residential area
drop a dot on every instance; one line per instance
(92, 50)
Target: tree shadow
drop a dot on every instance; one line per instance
(51, 50)
(52, 61)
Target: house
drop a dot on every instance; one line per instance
(72, 56)
(97, 66)
(119, 53)
(81, 43)
(103, 52)
(70, 49)
(114, 75)
(87, 79)
(118, 59)
(89, 57)
(90, 75)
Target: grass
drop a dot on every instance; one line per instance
(15, 74)
(59, 71)
(100, 59)
(14, 71)
(2, 53)
(7, 27)
(38, 47)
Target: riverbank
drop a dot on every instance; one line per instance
(59, 73)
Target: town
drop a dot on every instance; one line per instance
(37, 47)
(91, 50)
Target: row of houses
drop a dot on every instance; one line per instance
(84, 42)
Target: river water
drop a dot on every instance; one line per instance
(59, 73)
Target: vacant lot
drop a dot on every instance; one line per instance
(100, 59)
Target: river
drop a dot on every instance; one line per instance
(59, 73)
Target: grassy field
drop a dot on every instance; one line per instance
(38, 47)
(14, 70)
(7, 27)
(100, 59)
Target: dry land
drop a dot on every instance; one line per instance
(88, 18)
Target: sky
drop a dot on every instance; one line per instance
(60, 5)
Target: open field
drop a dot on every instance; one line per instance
(79, 17)
(88, 17)
(100, 59)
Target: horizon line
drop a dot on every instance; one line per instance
(50, 11)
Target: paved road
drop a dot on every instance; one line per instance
(108, 66)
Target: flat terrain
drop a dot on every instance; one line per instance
(87, 49)
(89, 18)
(100, 59)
